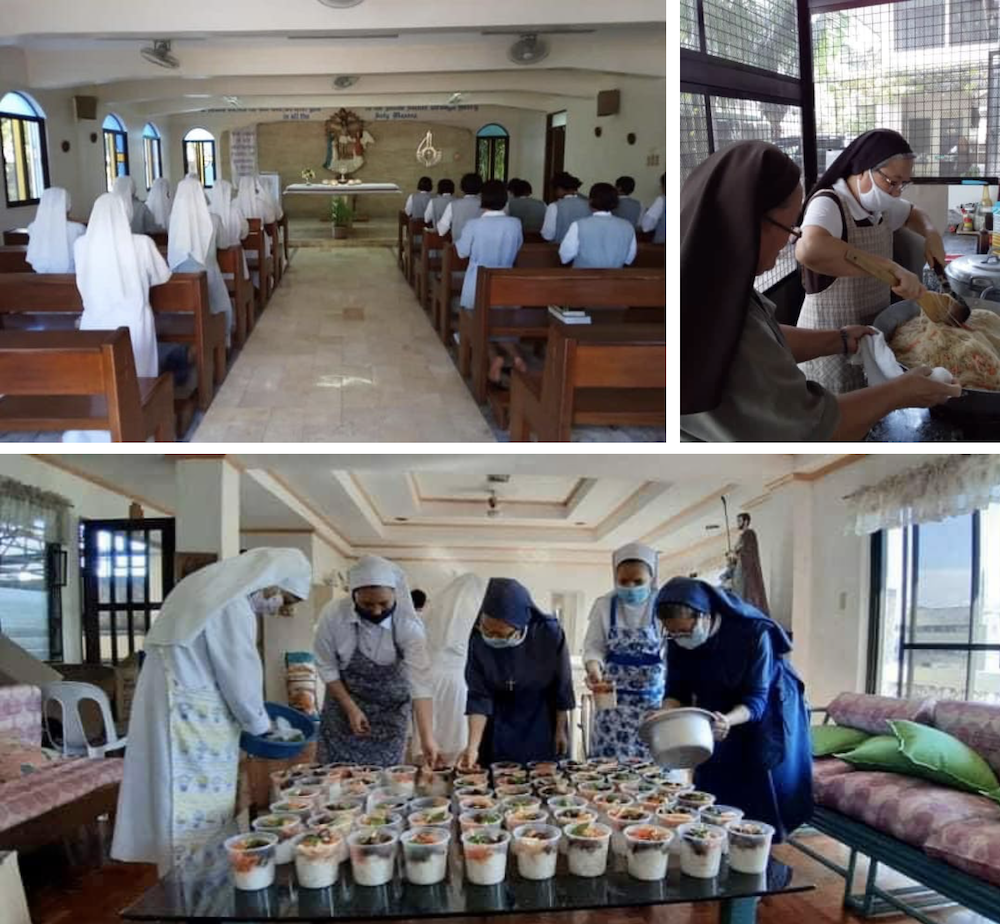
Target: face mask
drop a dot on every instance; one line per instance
(369, 616)
(512, 642)
(699, 635)
(633, 595)
(876, 199)
(265, 606)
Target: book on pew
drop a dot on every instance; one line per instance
(569, 316)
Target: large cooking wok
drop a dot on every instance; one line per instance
(975, 403)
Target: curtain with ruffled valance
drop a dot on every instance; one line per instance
(28, 510)
(948, 486)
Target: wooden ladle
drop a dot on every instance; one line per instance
(941, 309)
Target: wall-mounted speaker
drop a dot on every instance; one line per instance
(608, 102)
(86, 107)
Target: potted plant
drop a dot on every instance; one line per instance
(341, 215)
(308, 175)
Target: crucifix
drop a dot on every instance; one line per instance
(510, 685)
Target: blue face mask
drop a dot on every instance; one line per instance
(633, 596)
(511, 642)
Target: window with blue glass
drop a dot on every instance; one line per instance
(152, 153)
(492, 152)
(199, 155)
(115, 150)
(22, 149)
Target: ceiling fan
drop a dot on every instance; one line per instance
(492, 491)
(159, 54)
(528, 49)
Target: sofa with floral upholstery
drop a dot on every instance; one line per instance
(43, 795)
(922, 828)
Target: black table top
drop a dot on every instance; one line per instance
(203, 891)
(915, 425)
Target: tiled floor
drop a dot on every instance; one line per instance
(343, 353)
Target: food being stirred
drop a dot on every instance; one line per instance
(971, 356)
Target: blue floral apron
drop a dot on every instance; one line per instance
(634, 661)
(204, 762)
(383, 693)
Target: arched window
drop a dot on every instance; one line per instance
(492, 152)
(115, 150)
(153, 156)
(199, 155)
(22, 149)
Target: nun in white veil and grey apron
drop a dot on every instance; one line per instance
(200, 685)
(51, 235)
(138, 215)
(159, 202)
(234, 226)
(624, 644)
(371, 651)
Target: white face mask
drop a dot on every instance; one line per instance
(876, 199)
(265, 606)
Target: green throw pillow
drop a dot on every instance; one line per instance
(940, 757)
(828, 739)
(882, 752)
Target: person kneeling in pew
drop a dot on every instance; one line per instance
(436, 205)
(416, 203)
(601, 241)
(493, 240)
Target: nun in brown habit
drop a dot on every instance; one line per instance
(739, 374)
(858, 203)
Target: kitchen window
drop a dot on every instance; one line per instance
(936, 609)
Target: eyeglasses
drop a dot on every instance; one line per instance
(893, 184)
(795, 232)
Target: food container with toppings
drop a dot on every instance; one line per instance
(425, 855)
(317, 858)
(510, 776)
(542, 766)
(654, 801)
(351, 805)
(605, 695)
(467, 791)
(624, 776)
(390, 822)
(505, 790)
(469, 821)
(605, 801)
(558, 789)
(477, 804)
(279, 778)
(401, 780)
(478, 778)
(301, 807)
(671, 788)
(586, 776)
(673, 818)
(619, 819)
(340, 824)
(694, 800)
(505, 766)
(587, 848)
(636, 763)
(431, 818)
(749, 846)
(604, 766)
(591, 791)
(536, 847)
(510, 803)
(701, 849)
(720, 816)
(429, 802)
(358, 788)
(638, 789)
(572, 766)
(390, 806)
(566, 801)
(373, 855)
(251, 860)
(435, 782)
(526, 815)
(485, 852)
(315, 793)
(284, 828)
(574, 815)
(648, 850)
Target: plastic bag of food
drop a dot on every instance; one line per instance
(302, 682)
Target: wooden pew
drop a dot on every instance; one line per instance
(181, 307)
(283, 224)
(402, 222)
(159, 238)
(240, 292)
(256, 250)
(446, 289)
(429, 265)
(594, 374)
(81, 380)
(414, 234)
(606, 291)
(277, 258)
(16, 237)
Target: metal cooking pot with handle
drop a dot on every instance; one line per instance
(975, 275)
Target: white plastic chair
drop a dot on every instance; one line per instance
(69, 694)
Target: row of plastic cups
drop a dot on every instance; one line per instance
(702, 847)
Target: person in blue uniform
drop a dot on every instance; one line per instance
(725, 656)
(520, 686)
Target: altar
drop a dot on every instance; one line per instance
(345, 193)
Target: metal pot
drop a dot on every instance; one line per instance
(975, 275)
(679, 738)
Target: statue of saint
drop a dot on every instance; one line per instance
(744, 575)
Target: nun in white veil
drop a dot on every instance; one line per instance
(51, 235)
(191, 244)
(234, 223)
(159, 202)
(200, 685)
(138, 215)
(254, 202)
(449, 619)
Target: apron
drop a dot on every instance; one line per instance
(383, 692)
(849, 300)
(204, 761)
(635, 662)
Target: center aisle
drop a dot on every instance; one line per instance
(343, 353)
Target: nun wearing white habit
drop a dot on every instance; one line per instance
(138, 215)
(371, 651)
(159, 202)
(191, 245)
(449, 619)
(51, 235)
(234, 224)
(254, 202)
(199, 686)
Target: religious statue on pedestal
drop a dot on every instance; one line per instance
(744, 575)
(346, 140)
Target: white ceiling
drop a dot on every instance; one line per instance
(284, 55)
(582, 505)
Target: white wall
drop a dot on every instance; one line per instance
(90, 501)
(642, 111)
